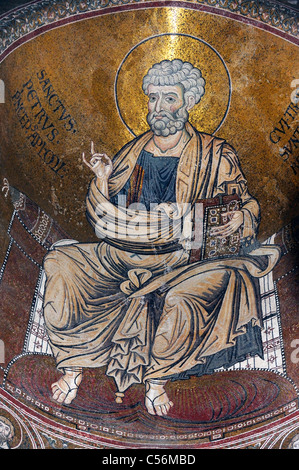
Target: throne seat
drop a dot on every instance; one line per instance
(225, 398)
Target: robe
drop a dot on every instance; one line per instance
(137, 305)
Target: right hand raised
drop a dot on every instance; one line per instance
(99, 163)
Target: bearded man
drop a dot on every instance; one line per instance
(6, 432)
(136, 304)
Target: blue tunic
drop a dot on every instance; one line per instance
(158, 183)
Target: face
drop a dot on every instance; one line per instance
(4, 430)
(167, 109)
(296, 444)
(165, 98)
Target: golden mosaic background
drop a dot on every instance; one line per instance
(81, 61)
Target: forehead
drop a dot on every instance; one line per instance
(165, 89)
(4, 425)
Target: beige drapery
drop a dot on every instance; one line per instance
(97, 302)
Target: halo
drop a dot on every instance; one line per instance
(208, 115)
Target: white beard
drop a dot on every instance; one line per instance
(170, 122)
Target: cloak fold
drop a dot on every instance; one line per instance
(99, 307)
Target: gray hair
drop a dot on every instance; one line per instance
(9, 424)
(176, 72)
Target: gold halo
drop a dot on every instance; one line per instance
(208, 115)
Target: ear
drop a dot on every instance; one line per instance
(190, 102)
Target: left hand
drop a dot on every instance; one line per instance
(168, 207)
(236, 219)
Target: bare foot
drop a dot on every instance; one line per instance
(65, 389)
(156, 399)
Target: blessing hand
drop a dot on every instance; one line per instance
(99, 163)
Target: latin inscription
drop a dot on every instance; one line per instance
(286, 135)
(44, 118)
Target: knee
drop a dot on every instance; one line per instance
(174, 298)
(53, 262)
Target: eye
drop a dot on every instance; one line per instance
(152, 98)
(170, 99)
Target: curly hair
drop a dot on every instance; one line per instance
(176, 72)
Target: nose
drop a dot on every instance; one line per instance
(158, 107)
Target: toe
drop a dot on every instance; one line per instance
(167, 408)
(159, 410)
(55, 391)
(149, 407)
(56, 395)
(54, 387)
(70, 397)
(61, 397)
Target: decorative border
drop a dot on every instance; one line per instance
(36, 318)
(265, 434)
(9, 247)
(24, 23)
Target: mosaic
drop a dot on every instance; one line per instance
(149, 226)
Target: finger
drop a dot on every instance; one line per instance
(233, 215)
(95, 160)
(217, 232)
(219, 228)
(92, 148)
(222, 232)
(229, 214)
(106, 160)
(232, 225)
(101, 157)
(85, 161)
(226, 217)
(225, 234)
